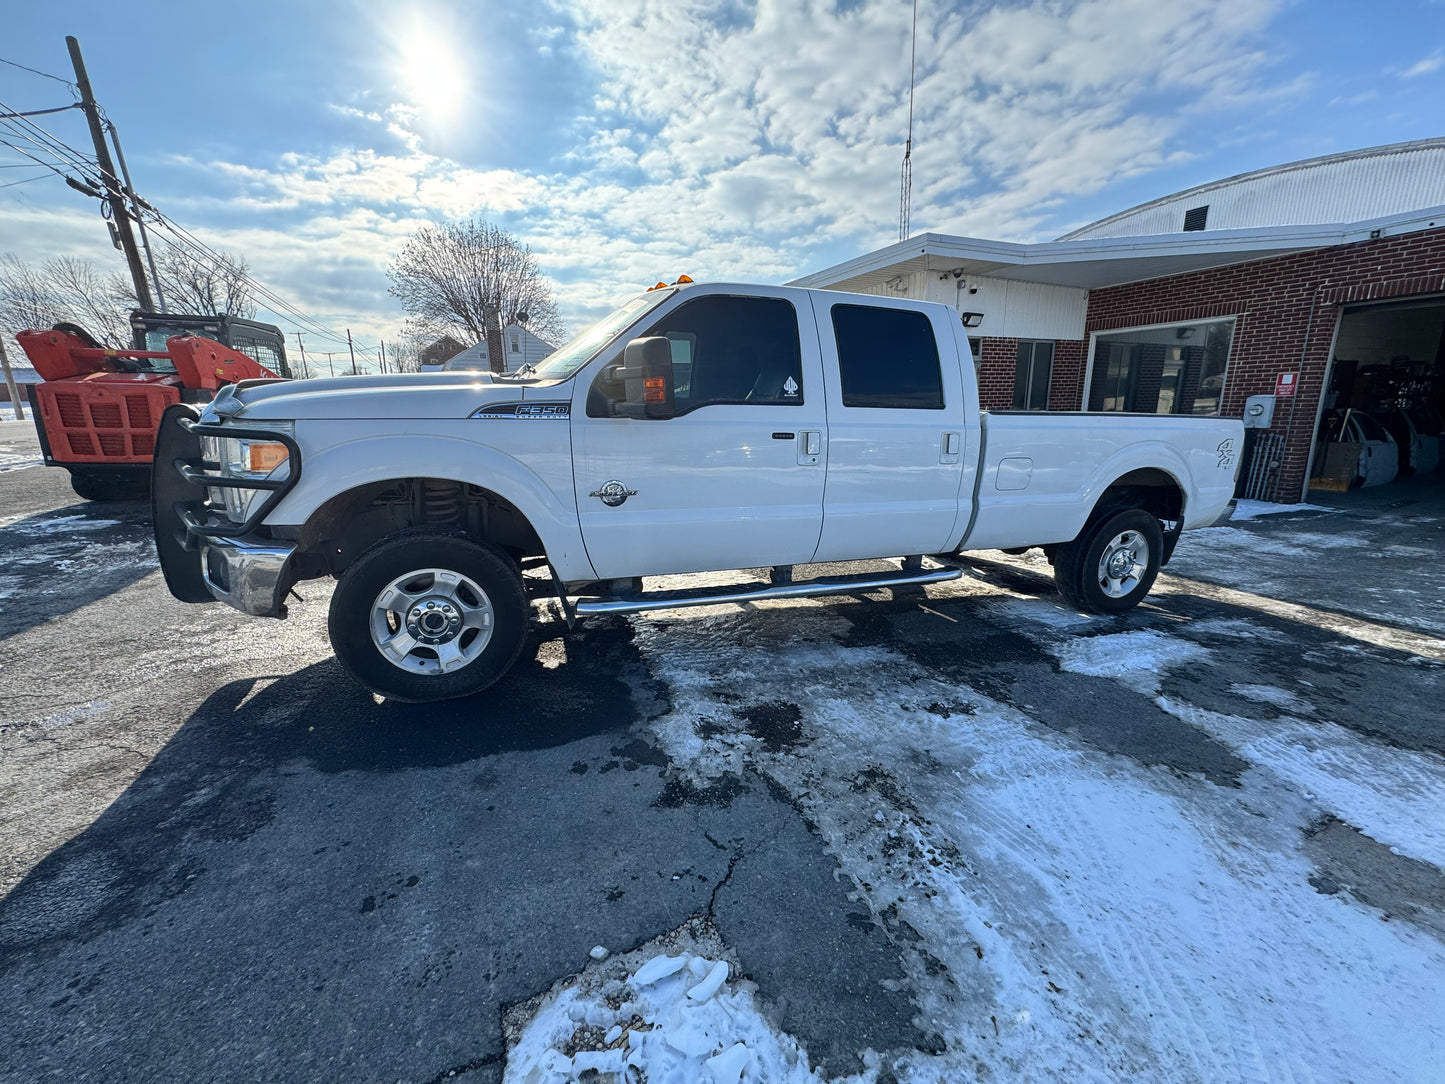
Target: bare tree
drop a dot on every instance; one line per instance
(203, 285)
(63, 289)
(405, 350)
(25, 298)
(472, 278)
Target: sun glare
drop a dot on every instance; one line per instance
(430, 71)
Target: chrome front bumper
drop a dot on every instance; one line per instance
(254, 576)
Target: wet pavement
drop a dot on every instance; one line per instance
(223, 860)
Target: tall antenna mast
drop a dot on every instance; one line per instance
(905, 181)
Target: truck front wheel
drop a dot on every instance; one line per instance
(1113, 563)
(428, 615)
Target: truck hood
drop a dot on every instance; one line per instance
(400, 395)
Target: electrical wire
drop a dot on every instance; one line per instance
(41, 112)
(193, 246)
(17, 124)
(26, 180)
(57, 148)
(33, 71)
(27, 154)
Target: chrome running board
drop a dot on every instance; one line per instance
(713, 596)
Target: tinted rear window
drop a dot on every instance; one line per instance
(887, 358)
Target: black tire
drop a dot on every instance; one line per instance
(358, 592)
(1080, 565)
(103, 485)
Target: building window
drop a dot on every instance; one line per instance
(1176, 369)
(1033, 371)
(975, 347)
(516, 344)
(1195, 217)
(887, 358)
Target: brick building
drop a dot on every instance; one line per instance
(1324, 279)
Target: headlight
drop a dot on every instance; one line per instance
(248, 457)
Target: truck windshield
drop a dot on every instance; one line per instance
(568, 358)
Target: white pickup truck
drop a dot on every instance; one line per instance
(698, 428)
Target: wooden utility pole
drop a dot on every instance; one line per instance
(10, 382)
(353, 351)
(328, 362)
(120, 217)
(305, 373)
(383, 355)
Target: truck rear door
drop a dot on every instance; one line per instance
(735, 478)
(896, 432)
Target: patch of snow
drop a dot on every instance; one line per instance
(1395, 796)
(1095, 919)
(1246, 509)
(1043, 611)
(1138, 659)
(59, 523)
(19, 460)
(661, 1026)
(1271, 694)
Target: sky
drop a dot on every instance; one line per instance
(724, 139)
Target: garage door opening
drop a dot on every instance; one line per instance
(1382, 422)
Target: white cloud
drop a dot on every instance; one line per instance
(759, 140)
(1429, 64)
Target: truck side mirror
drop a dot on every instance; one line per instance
(646, 373)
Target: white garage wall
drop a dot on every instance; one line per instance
(1022, 310)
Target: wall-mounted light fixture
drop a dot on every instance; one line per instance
(971, 319)
(897, 282)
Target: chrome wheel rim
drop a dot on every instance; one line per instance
(431, 621)
(1123, 564)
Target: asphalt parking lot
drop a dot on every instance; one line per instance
(948, 835)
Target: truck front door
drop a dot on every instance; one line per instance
(896, 432)
(735, 478)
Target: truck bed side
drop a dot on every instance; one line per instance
(1042, 474)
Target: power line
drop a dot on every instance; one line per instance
(34, 71)
(57, 148)
(27, 180)
(39, 112)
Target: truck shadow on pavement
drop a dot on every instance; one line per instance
(306, 883)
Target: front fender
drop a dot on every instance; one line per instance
(334, 467)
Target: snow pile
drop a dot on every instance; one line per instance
(1254, 509)
(676, 1020)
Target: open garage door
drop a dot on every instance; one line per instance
(1381, 419)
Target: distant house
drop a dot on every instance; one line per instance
(435, 355)
(519, 347)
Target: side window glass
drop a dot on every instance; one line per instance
(741, 350)
(734, 350)
(887, 358)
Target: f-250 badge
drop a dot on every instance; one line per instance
(613, 493)
(1226, 453)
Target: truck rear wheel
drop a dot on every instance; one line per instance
(1113, 563)
(428, 615)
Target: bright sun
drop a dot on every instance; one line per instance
(430, 70)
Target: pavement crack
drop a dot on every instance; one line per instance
(733, 861)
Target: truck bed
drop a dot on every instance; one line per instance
(1042, 472)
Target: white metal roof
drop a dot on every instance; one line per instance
(1363, 184)
(1104, 261)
